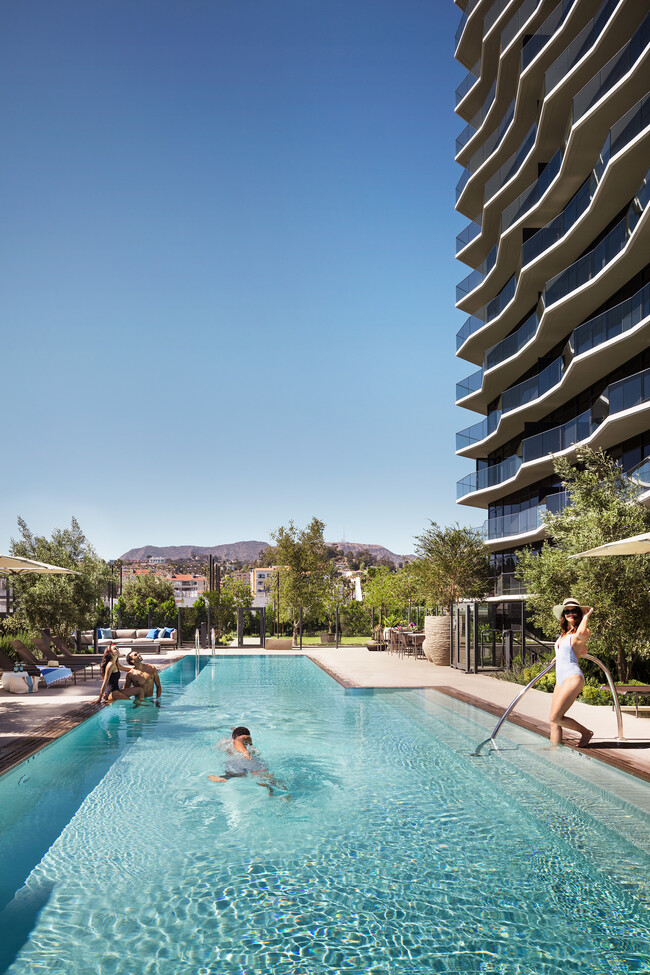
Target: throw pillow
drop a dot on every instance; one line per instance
(166, 633)
(153, 633)
(105, 633)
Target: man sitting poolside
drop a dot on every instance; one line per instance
(142, 675)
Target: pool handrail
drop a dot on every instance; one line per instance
(586, 656)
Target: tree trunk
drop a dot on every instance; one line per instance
(622, 665)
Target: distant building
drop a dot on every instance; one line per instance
(188, 588)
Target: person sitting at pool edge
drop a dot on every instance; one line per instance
(142, 675)
(110, 668)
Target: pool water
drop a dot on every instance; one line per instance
(381, 843)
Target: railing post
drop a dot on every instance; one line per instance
(300, 628)
(179, 636)
(507, 648)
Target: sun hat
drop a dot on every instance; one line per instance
(569, 603)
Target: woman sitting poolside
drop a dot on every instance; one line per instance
(110, 668)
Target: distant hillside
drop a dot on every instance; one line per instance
(236, 551)
(242, 551)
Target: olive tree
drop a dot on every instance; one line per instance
(59, 602)
(452, 563)
(603, 507)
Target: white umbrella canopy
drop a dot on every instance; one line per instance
(13, 565)
(635, 545)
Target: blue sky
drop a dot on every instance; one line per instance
(226, 269)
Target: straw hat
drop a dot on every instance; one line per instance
(569, 603)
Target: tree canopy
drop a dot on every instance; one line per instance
(306, 577)
(452, 563)
(59, 603)
(603, 507)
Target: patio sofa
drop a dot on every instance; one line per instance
(147, 640)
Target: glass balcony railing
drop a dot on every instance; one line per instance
(517, 21)
(628, 127)
(641, 474)
(477, 276)
(487, 312)
(462, 182)
(512, 343)
(494, 308)
(463, 20)
(479, 431)
(468, 82)
(559, 438)
(511, 165)
(532, 194)
(471, 231)
(488, 476)
(469, 385)
(533, 388)
(560, 225)
(528, 520)
(542, 36)
(493, 15)
(614, 70)
(579, 46)
(612, 322)
(629, 392)
(591, 264)
(471, 325)
(476, 122)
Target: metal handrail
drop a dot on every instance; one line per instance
(587, 656)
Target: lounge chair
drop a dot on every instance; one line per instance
(49, 655)
(67, 657)
(51, 675)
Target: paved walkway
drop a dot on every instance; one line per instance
(27, 722)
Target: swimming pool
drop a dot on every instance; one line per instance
(389, 847)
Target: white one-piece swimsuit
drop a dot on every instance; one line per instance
(566, 662)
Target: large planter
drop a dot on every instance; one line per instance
(326, 637)
(436, 640)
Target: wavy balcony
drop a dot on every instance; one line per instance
(618, 398)
(595, 50)
(524, 522)
(591, 264)
(576, 368)
(535, 44)
(567, 282)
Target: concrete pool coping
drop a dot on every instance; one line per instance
(29, 722)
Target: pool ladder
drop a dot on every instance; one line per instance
(511, 707)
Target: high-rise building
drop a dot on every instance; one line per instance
(556, 186)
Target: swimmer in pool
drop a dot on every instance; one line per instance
(243, 763)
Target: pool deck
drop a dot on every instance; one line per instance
(31, 721)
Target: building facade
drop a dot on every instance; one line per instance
(556, 186)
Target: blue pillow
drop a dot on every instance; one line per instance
(152, 634)
(105, 634)
(166, 633)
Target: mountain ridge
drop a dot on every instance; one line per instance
(245, 551)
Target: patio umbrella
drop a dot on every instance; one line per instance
(635, 545)
(13, 565)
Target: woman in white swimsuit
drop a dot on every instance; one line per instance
(571, 644)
